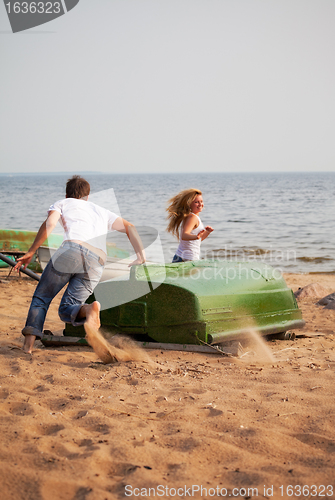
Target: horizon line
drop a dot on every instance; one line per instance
(91, 172)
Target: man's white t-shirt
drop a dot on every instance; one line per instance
(85, 221)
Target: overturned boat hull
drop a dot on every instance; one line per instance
(197, 302)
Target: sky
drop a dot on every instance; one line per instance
(124, 86)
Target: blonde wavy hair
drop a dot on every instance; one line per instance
(179, 208)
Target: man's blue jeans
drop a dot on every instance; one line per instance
(73, 264)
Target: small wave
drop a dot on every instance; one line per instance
(239, 251)
(315, 260)
(240, 221)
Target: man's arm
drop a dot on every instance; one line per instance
(124, 226)
(44, 231)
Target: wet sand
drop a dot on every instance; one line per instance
(74, 428)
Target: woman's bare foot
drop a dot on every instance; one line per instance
(28, 343)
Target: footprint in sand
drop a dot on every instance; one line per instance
(21, 409)
(4, 394)
(317, 441)
(49, 430)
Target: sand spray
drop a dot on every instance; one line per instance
(257, 347)
(117, 348)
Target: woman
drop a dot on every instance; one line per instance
(185, 224)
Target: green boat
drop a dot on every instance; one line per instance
(196, 302)
(15, 243)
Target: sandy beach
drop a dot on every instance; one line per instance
(168, 424)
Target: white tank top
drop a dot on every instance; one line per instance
(190, 249)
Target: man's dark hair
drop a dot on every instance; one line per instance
(77, 187)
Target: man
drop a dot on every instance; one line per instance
(78, 262)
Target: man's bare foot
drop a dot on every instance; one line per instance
(93, 336)
(92, 314)
(28, 343)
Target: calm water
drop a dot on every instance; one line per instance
(284, 219)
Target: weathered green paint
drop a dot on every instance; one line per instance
(14, 243)
(3, 264)
(198, 301)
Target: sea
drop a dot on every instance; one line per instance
(283, 219)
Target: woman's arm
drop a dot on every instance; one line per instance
(123, 226)
(190, 223)
(208, 230)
